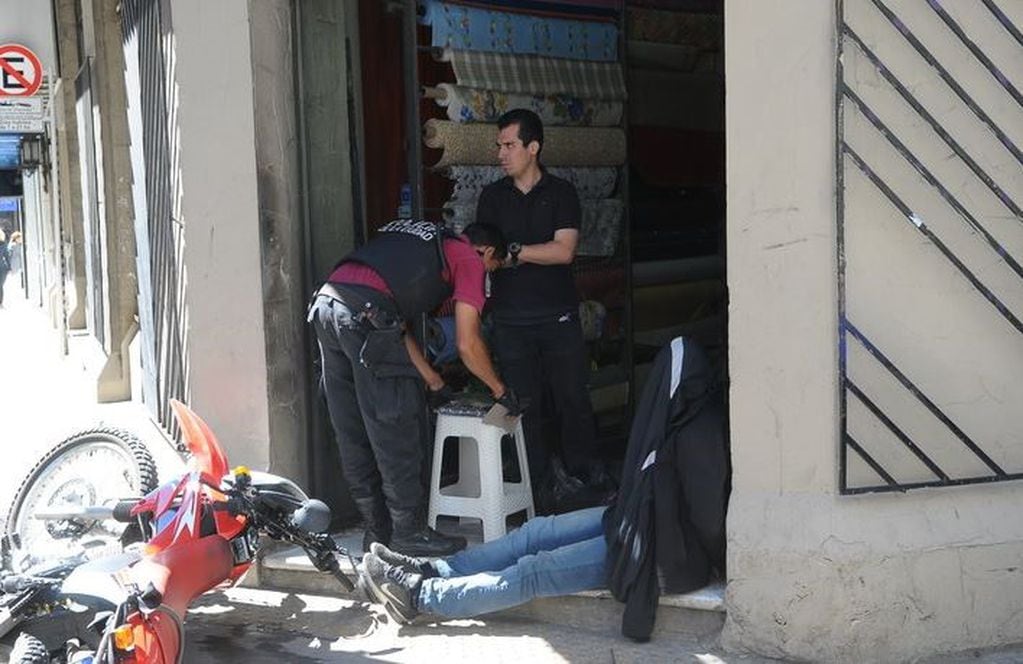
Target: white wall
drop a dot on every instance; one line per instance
(814, 575)
(29, 23)
(219, 209)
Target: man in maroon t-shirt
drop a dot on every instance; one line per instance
(372, 369)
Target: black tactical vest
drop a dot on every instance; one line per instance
(407, 255)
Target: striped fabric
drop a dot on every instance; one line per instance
(536, 74)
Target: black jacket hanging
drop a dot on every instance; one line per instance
(668, 522)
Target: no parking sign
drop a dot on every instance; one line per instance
(21, 73)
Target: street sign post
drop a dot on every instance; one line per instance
(21, 72)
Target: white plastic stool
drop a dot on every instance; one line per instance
(481, 491)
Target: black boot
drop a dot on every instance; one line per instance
(414, 538)
(376, 519)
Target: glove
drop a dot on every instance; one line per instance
(437, 398)
(512, 403)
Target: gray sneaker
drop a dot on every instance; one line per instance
(394, 587)
(421, 566)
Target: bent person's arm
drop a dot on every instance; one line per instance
(473, 350)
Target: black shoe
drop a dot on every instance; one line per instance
(372, 537)
(426, 543)
(393, 586)
(408, 563)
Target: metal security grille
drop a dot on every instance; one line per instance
(929, 174)
(149, 77)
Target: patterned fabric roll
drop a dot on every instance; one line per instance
(476, 29)
(475, 105)
(536, 75)
(702, 31)
(598, 236)
(599, 10)
(590, 183)
(563, 146)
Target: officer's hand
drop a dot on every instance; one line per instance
(512, 402)
(437, 398)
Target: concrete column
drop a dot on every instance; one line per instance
(220, 211)
(102, 30)
(67, 168)
(813, 575)
(280, 224)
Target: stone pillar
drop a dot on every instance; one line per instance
(814, 575)
(221, 213)
(102, 33)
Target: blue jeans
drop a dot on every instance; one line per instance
(547, 556)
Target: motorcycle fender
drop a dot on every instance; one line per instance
(95, 584)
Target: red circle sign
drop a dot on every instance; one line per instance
(21, 73)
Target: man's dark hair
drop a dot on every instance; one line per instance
(482, 234)
(530, 125)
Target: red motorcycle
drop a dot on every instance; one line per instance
(202, 530)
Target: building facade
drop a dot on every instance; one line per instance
(209, 157)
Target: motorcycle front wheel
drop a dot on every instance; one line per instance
(89, 468)
(27, 649)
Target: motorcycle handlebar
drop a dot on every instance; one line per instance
(122, 510)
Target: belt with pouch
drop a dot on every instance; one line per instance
(367, 305)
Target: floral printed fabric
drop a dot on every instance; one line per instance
(536, 75)
(590, 183)
(598, 235)
(476, 29)
(476, 105)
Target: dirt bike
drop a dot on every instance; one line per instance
(202, 530)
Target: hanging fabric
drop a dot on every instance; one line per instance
(472, 28)
(700, 31)
(478, 105)
(563, 146)
(593, 10)
(536, 75)
(589, 182)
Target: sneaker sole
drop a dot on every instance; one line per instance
(380, 597)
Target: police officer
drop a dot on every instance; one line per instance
(373, 368)
(537, 335)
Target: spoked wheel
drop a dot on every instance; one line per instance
(90, 468)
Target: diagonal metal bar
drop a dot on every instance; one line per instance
(909, 486)
(923, 228)
(932, 180)
(894, 428)
(1004, 20)
(949, 80)
(958, 31)
(935, 125)
(877, 468)
(922, 398)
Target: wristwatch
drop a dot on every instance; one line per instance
(513, 252)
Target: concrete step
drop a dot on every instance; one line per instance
(696, 616)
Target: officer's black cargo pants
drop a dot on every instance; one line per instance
(377, 411)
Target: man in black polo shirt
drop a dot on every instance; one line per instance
(538, 338)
